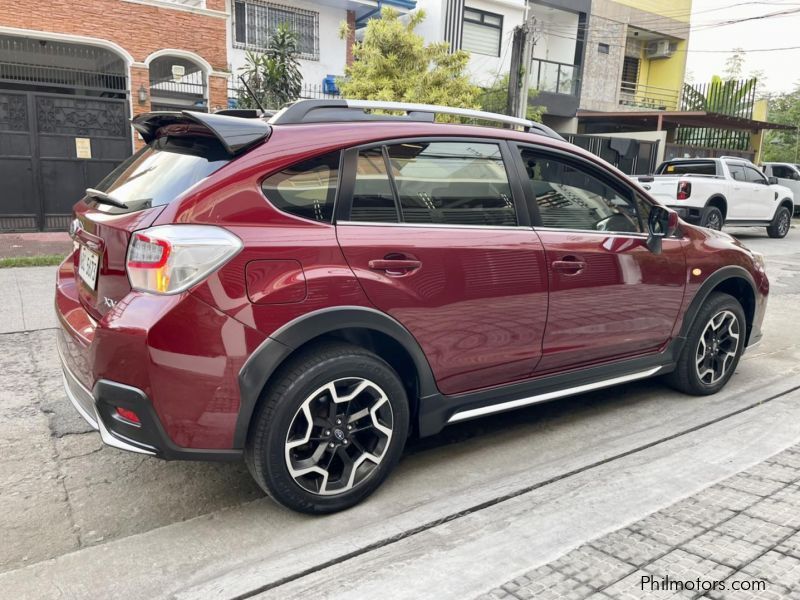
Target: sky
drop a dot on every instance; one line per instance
(781, 68)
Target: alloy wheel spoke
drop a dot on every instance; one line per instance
(324, 457)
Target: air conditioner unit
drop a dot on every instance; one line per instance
(661, 49)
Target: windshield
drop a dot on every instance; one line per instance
(159, 173)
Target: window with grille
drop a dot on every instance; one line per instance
(482, 32)
(255, 22)
(630, 75)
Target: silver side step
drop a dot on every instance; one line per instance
(580, 389)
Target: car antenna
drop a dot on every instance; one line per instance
(252, 95)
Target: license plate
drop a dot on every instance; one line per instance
(87, 266)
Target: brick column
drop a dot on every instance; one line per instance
(351, 35)
(217, 92)
(140, 76)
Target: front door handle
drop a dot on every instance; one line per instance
(394, 266)
(569, 266)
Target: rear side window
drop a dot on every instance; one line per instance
(737, 172)
(372, 192)
(697, 167)
(754, 175)
(159, 173)
(307, 189)
(451, 183)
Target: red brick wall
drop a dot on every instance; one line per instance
(138, 28)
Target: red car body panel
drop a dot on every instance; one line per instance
(477, 305)
(624, 302)
(485, 306)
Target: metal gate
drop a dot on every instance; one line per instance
(62, 129)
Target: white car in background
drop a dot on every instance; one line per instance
(713, 192)
(787, 174)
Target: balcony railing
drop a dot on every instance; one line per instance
(555, 77)
(648, 97)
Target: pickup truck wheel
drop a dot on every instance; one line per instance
(780, 226)
(713, 347)
(712, 218)
(329, 429)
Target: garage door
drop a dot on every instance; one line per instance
(62, 129)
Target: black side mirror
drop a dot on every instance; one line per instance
(772, 180)
(662, 223)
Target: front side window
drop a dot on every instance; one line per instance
(452, 183)
(737, 172)
(482, 32)
(306, 190)
(255, 22)
(569, 197)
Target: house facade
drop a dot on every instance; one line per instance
(72, 76)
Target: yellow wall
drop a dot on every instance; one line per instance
(664, 73)
(680, 10)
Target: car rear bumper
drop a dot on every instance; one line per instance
(98, 408)
(171, 354)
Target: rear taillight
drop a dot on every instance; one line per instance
(684, 190)
(169, 259)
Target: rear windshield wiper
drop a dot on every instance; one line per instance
(104, 198)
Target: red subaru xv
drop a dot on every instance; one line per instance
(309, 291)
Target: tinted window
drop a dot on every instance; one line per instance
(698, 167)
(570, 198)
(737, 172)
(373, 199)
(159, 173)
(307, 189)
(754, 175)
(453, 183)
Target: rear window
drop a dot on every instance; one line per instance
(307, 189)
(697, 167)
(159, 173)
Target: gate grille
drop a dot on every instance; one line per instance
(57, 64)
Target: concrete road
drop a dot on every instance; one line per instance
(80, 520)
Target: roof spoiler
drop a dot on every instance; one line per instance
(234, 133)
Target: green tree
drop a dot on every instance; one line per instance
(495, 99)
(392, 63)
(273, 75)
(782, 146)
(734, 65)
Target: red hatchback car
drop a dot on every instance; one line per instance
(307, 292)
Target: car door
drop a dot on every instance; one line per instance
(436, 233)
(788, 176)
(738, 194)
(762, 200)
(610, 297)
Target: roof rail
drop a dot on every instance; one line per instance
(318, 111)
(741, 158)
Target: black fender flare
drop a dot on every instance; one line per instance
(717, 197)
(713, 280)
(263, 362)
(789, 203)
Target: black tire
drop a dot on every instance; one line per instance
(687, 375)
(280, 415)
(712, 218)
(780, 224)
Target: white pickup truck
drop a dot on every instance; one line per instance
(713, 192)
(787, 174)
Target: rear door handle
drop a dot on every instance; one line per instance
(394, 266)
(568, 266)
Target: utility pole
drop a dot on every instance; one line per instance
(519, 75)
